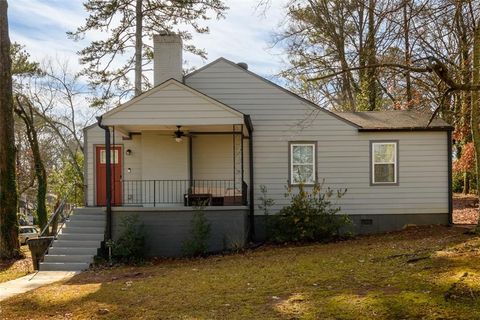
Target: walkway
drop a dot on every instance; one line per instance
(32, 281)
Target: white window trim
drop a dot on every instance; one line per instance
(395, 162)
(314, 164)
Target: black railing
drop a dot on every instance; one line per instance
(183, 192)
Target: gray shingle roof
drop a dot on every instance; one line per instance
(393, 120)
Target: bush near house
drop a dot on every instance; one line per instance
(197, 244)
(130, 246)
(311, 216)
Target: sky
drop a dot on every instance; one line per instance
(245, 35)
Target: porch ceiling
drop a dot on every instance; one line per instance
(187, 128)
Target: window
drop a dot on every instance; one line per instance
(303, 162)
(384, 162)
(113, 156)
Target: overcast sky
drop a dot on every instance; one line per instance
(244, 35)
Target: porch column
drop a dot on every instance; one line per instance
(190, 160)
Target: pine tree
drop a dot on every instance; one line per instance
(129, 23)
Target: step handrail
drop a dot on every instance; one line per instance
(53, 222)
(54, 219)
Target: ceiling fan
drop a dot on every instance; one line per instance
(179, 134)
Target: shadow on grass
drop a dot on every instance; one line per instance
(369, 277)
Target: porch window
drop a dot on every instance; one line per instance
(113, 156)
(303, 162)
(384, 162)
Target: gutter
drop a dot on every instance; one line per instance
(450, 189)
(406, 129)
(108, 182)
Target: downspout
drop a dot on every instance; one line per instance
(248, 123)
(108, 182)
(450, 192)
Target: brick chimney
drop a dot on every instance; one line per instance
(167, 57)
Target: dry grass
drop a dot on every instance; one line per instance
(12, 269)
(430, 273)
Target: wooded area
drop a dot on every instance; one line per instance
(391, 54)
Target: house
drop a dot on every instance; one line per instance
(219, 133)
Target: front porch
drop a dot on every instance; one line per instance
(152, 167)
(172, 147)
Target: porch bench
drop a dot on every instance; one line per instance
(214, 196)
(197, 199)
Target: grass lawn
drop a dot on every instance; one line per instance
(428, 272)
(12, 269)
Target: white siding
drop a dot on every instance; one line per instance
(163, 158)
(212, 157)
(343, 152)
(172, 104)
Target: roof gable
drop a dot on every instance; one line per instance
(172, 102)
(272, 84)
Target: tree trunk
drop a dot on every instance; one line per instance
(475, 109)
(406, 32)
(9, 245)
(466, 183)
(372, 59)
(138, 47)
(26, 113)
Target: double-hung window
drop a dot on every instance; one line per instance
(384, 166)
(303, 163)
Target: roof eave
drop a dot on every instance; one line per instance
(406, 129)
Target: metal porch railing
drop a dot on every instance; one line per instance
(183, 192)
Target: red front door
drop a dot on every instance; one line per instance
(116, 165)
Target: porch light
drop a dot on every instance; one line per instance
(128, 152)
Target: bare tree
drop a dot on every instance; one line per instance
(25, 110)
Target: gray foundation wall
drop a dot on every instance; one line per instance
(373, 223)
(167, 229)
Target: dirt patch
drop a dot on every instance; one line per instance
(465, 209)
(461, 291)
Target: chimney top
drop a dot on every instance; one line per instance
(167, 57)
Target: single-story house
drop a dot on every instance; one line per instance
(219, 133)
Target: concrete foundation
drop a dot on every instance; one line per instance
(167, 228)
(373, 223)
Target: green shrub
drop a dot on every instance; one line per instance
(265, 204)
(311, 216)
(197, 244)
(457, 182)
(130, 246)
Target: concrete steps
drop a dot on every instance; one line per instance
(77, 243)
(64, 266)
